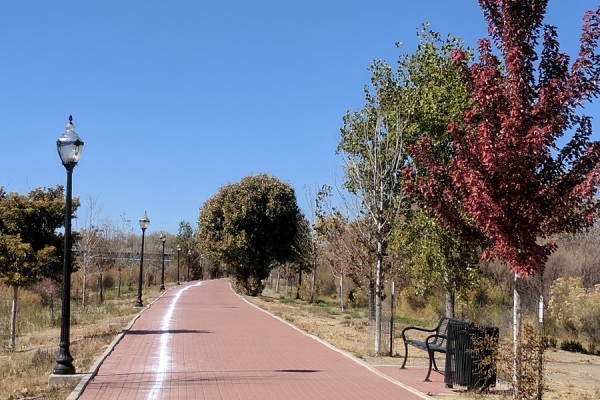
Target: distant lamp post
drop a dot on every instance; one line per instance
(69, 147)
(188, 272)
(144, 223)
(201, 266)
(178, 250)
(163, 239)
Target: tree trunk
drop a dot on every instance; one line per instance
(449, 295)
(392, 315)
(52, 303)
(278, 277)
(299, 285)
(119, 282)
(450, 301)
(101, 288)
(540, 385)
(313, 283)
(342, 293)
(83, 288)
(516, 339)
(378, 305)
(371, 299)
(13, 318)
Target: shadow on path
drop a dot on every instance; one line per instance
(162, 332)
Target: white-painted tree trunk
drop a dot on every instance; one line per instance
(13, 317)
(517, 345)
(378, 305)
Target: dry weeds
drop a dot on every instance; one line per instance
(24, 372)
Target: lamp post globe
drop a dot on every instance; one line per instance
(178, 250)
(144, 224)
(70, 147)
(163, 239)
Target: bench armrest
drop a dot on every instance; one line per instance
(431, 338)
(416, 328)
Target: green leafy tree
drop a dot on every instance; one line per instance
(185, 236)
(30, 247)
(185, 239)
(435, 258)
(433, 90)
(250, 226)
(434, 94)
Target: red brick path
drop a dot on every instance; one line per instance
(202, 341)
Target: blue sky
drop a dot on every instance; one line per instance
(174, 99)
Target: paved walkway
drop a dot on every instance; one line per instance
(202, 341)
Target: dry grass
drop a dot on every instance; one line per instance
(24, 372)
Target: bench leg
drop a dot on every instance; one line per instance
(405, 355)
(435, 367)
(431, 361)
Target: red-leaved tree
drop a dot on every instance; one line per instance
(524, 167)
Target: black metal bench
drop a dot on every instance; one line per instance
(436, 342)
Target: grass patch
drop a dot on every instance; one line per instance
(24, 372)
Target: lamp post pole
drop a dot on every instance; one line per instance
(144, 223)
(178, 250)
(201, 266)
(163, 239)
(69, 147)
(188, 266)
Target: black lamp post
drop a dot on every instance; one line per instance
(188, 272)
(201, 266)
(163, 239)
(144, 223)
(178, 250)
(69, 147)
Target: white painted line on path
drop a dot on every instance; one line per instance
(164, 356)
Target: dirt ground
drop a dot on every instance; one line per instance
(567, 375)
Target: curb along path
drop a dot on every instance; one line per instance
(202, 341)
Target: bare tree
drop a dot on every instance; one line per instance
(373, 147)
(89, 242)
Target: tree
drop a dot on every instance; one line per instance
(250, 226)
(317, 216)
(372, 143)
(340, 250)
(433, 94)
(30, 248)
(434, 257)
(302, 252)
(509, 184)
(89, 242)
(185, 236)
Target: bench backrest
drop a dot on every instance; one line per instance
(442, 329)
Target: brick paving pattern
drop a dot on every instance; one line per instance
(202, 341)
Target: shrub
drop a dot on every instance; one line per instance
(575, 311)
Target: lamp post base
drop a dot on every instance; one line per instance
(139, 304)
(64, 364)
(162, 288)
